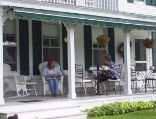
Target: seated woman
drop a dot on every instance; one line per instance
(112, 72)
(52, 73)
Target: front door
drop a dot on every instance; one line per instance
(140, 59)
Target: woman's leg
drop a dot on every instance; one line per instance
(55, 86)
(51, 85)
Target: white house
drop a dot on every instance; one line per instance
(31, 31)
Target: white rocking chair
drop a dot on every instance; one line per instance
(45, 83)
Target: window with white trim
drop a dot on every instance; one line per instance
(50, 41)
(140, 0)
(98, 50)
(9, 44)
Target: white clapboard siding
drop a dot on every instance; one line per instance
(139, 8)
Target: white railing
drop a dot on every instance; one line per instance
(98, 4)
(102, 4)
(67, 2)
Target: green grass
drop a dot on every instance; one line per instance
(146, 114)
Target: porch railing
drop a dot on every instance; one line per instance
(98, 4)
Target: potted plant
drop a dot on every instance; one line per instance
(103, 39)
(148, 43)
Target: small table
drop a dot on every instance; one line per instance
(98, 88)
(148, 85)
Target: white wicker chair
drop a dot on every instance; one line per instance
(16, 82)
(45, 83)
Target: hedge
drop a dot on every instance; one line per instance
(120, 108)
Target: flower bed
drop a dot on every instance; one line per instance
(120, 108)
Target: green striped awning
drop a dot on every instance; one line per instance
(65, 17)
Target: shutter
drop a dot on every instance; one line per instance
(111, 44)
(24, 47)
(64, 48)
(154, 49)
(154, 2)
(148, 2)
(88, 46)
(151, 2)
(37, 46)
(130, 1)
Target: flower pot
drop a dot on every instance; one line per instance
(148, 43)
(103, 40)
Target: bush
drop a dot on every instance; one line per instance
(120, 108)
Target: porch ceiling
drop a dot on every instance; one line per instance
(65, 17)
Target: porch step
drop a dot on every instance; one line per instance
(37, 106)
(46, 110)
(72, 116)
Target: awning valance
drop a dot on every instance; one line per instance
(65, 17)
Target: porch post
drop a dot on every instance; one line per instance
(127, 59)
(1, 57)
(71, 60)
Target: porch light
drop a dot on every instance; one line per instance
(65, 40)
(152, 68)
(11, 13)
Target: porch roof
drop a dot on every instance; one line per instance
(39, 14)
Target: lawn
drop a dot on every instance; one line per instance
(146, 114)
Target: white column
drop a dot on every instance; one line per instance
(127, 59)
(30, 49)
(71, 60)
(1, 57)
(149, 52)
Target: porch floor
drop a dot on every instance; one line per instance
(64, 97)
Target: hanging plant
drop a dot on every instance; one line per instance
(103, 39)
(148, 43)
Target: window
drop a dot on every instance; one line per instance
(140, 0)
(9, 44)
(51, 41)
(98, 50)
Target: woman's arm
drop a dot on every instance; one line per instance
(59, 72)
(112, 71)
(45, 72)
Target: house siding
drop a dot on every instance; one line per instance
(139, 8)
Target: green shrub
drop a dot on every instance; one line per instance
(120, 108)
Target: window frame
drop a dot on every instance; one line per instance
(96, 31)
(51, 47)
(16, 35)
(98, 49)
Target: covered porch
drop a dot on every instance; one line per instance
(79, 30)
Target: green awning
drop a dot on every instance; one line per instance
(38, 14)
